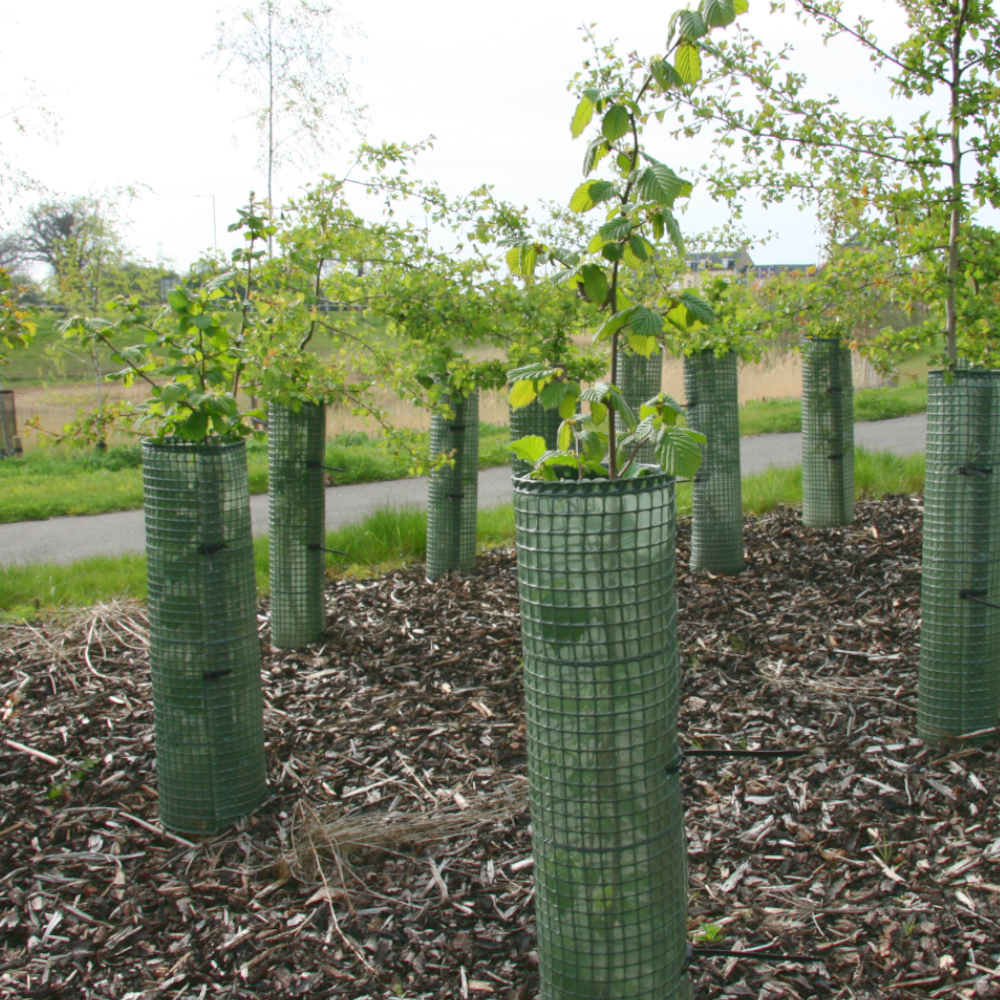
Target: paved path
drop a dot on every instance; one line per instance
(66, 539)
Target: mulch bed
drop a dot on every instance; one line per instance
(393, 856)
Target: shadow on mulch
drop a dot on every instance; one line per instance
(393, 856)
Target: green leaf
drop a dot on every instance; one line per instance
(530, 448)
(643, 321)
(581, 117)
(691, 24)
(177, 299)
(595, 283)
(664, 74)
(659, 184)
(699, 308)
(567, 408)
(598, 413)
(688, 62)
(521, 394)
(678, 452)
(589, 194)
(608, 328)
(597, 149)
(612, 251)
(639, 248)
(717, 13)
(674, 230)
(646, 347)
(741, 6)
(616, 122)
(618, 228)
(565, 437)
(172, 393)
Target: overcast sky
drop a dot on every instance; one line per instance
(137, 102)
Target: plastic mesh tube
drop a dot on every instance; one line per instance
(827, 433)
(203, 644)
(959, 637)
(296, 444)
(639, 379)
(8, 424)
(453, 490)
(533, 419)
(711, 388)
(601, 670)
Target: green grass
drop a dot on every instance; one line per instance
(394, 537)
(784, 416)
(50, 482)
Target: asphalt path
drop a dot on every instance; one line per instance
(67, 539)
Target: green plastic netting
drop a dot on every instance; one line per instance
(533, 419)
(453, 491)
(203, 643)
(960, 637)
(827, 433)
(713, 409)
(639, 379)
(601, 670)
(296, 444)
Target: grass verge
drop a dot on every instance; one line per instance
(394, 537)
(55, 482)
(784, 416)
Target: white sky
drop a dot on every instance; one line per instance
(139, 103)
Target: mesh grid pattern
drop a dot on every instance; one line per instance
(960, 639)
(827, 433)
(711, 387)
(639, 379)
(297, 507)
(203, 644)
(453, 491)
(8, 423)
(533, 419)
(601, 670)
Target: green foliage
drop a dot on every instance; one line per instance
(901, 203)
(637, 202)
(17, 320)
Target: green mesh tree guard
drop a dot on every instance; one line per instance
(203, 644)
(533, 419)
(959, 636)
(713, 408)
(639, 379)
(827, 433)
(599, 632)
(296, 444)
(453, 491)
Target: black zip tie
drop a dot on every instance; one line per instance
(976, 596)
(454, 496)
(974, 470)
(841, 455)
(320, 465)
(214, 675)
(323, 548)
(211, 548)
(835, 390)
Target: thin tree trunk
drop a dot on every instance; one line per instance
(955, 207)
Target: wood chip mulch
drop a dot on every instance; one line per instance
(393, 856)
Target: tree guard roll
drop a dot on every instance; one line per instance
(203, 645)
(601, 670)
(639, 380)
(827, 433)
(533, 419)
(959, 671)
(453, 490)
(711, 388)
(296, 446)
